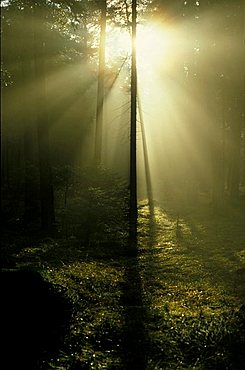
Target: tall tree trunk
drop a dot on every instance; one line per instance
(28, 115)
(235, 158)
(218, 188)
(46, 183)
(218, 165)
(101, 87)
(133, 117)
(146, 160)
(4, 150)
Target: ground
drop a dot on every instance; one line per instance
(177, 302)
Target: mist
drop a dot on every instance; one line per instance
(123, 184)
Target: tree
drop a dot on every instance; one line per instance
(46, 76)
(235, 152)
(146, 161)
(213, 61)
(28, 115)
(46, 182)
(101, 82)
(133, 121)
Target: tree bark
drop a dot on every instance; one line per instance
(46, 183)
(101, 87)
(235, 155)
(28, 116)
(133, 119)
(146, 162)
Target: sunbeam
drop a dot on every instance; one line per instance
(123, 184)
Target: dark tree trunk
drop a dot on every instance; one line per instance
(218, 165)
(4, 154)
(133, 168)
(101, 87)
(28, 115)
(46, 183)
(218, 188)
(146, 160)
(235, 155)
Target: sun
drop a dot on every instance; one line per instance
(118, 44)
(152, 46)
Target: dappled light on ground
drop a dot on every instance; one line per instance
(198, 252)
(183, 292)
(193, 287)
(97, 325)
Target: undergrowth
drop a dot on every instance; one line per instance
(188, 277)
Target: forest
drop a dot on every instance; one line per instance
(123, 184)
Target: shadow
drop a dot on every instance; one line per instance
(134, 336)
(34, 318)
(176, 269)
(216, 241)
(116, 286)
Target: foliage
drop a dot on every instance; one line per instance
(92, 204)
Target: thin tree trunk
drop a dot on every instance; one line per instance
(146, 160)
(28, 116)
(46, 183)
(133, 119)
(235, 154)
(101, 87)
(5, 153)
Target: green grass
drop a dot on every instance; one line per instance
(183, 293)
(193, 279)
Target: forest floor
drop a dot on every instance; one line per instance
(175, 303)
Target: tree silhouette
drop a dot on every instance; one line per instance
(133, 120)
(101, 82)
